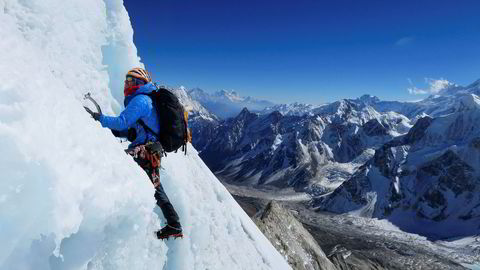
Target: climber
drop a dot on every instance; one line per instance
(139, 122)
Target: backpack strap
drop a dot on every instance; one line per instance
(140, 121)
(147, 128)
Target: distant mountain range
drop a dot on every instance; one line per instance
(414, 163)
(308, 151)
(428, 180)
(297, 109)
(226, 104)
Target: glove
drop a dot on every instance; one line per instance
(94, 115)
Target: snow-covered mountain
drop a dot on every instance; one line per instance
(70, 198)
(317, 151)
(226, 104)
(426, 181)
(297, 109)
(412, 176)
(435, 105)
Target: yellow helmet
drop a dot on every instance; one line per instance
(140, 73)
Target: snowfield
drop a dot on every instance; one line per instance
(70, 198)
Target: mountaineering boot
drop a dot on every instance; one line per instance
(168, 231)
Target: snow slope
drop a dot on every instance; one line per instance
(70, 198)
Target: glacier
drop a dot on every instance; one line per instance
(70, 198)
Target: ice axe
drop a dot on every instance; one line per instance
(95, 115)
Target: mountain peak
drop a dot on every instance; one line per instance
(244, 111)
(198, 93)
(475, 84)
(196, 90)
(232, 95)
(245, 116)
(182, 90)
(368, 99)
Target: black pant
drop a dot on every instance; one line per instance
(150, 162)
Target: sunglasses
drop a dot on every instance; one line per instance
(136, 81)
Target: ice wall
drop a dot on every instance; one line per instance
(70, 198)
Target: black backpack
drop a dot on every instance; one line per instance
(173, 120)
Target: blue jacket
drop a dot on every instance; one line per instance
(137, 106)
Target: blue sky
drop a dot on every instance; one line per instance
(308, 50)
